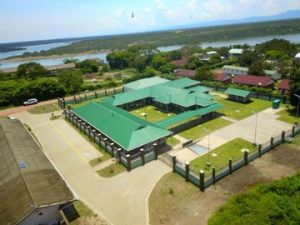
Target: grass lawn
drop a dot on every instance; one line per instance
(240, 111)
(112, 170)
(77, 105)
(198, 132)
(151, 114)
(219, 157)
(171, 199)
(52, 107)
(288, 116)
(172, 141)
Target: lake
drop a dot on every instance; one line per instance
(295, 38)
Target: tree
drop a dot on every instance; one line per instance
(247, 58)
(72, 81)
(31, 70)
(194, 62)
(158, 61)
(204, 73)
(88, 66)
(256, 68)
(174, 55)
(295, 85)
(277, 45)
(140, 63)
(71, 60)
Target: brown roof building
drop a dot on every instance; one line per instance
(180, 62)
(222, 77)
(250, 80)
(284, 86)
(185, 73)
(31, 190)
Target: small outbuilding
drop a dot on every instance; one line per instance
(238, 95)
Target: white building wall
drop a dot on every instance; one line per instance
(43, 216)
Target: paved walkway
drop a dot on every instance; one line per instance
(121, 200)
(267, 126)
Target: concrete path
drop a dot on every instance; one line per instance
(121, 200)
(267, 126)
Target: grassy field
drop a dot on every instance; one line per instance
(151, 114)
(219, 157)
(288, 116)
(240, 111)
(170, 196)
(112, 170)
(44, 108)
(77, 105)
(172, 141)
(198, 132)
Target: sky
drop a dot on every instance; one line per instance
(23, 20)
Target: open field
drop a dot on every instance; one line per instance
(219, 157)
(111, 170)
(52, 107)
(288, 116)
(151, 114)
(187, 205)
(240, 111)
(198, 132)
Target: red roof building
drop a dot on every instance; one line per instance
(222, 77)
(284, 86)
(180, 62)
(185, 73)
(259, 81)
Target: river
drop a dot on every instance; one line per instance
(295, 38)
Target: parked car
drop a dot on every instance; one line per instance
(30, 101)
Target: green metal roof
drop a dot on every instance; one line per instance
(270, 72)
(170, 92)
(127, 130)
(188, 115)
(245, 69)
(237, 92)
(182, 83)
(143, 83)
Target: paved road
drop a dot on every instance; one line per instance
(122, 200)
(268, 126)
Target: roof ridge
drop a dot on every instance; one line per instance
(17, 165)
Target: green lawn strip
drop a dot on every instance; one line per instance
(111, 170)
(288, 116)
(151, 114)
(230, 150)
(95, 162)
(172, 141)
(198, 132)
(84, 212)
(52, 107)
(77, 105)
(240, 111)
(105, 155)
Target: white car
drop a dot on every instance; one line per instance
(30, 101)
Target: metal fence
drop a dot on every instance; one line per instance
(258, 95)
(204, 180)
(79, 98)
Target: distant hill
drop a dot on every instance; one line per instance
(292, 14)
